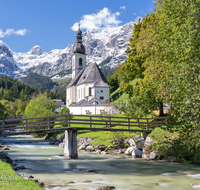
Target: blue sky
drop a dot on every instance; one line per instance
(51, 23)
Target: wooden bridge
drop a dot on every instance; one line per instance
(71, 123)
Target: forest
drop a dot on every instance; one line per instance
(163, 67)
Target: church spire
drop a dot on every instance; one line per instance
(79, 47)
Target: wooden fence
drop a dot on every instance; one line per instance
(79, 122)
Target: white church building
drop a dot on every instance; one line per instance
(89, 90)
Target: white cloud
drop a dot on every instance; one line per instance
(104, 18)
(9, 32)
(134, 14)
(123, 7)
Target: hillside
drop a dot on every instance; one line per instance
(62, 84)
(38, 81)
(11, 89)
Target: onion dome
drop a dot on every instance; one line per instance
(79, 47)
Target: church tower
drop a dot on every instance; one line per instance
(79, 57)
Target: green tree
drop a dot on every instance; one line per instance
(39, 107)
(3, 111)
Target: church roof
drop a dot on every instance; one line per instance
(100, 83)
(89, 74)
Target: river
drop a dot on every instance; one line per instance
(46, 162)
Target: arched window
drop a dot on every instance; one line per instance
(80, 62)
(90, 91)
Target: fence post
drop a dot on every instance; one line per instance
(138, 120)
(26, 125)
(129, 123)
(166, 121)
(109, 122)
(90, 122)
(68, 120)
(48, 123)
(147, 128)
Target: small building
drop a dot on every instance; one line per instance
(59, 105)
(89, 85)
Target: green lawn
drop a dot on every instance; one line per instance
(9, 180)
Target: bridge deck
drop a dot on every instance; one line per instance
(78, 122)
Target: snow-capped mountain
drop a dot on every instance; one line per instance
(7, 64)
(100, 44)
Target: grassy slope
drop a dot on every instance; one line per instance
(10, 180)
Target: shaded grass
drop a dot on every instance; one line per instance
(10, 180)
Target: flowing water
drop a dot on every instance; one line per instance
(46, 162)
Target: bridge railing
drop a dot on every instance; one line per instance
(81, 122)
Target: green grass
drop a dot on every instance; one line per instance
(10, 180)
(101, 137)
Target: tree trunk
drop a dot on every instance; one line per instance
(161, 109)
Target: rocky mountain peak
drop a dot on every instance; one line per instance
(5, 50)
(105, 46)
(36, 50)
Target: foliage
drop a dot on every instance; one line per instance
(64, 111)
(113, 83)
(62, 84)
(39, 107)
(38, 81)
(3, 111)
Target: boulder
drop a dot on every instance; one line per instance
(82, 146)
(108, 188)
(92, 171)
(170, 159)
(45, 137)
(5, 158)
(131, 142)
(148, 141)
(89, 148)
(62, 145)
(129, 150)
(5, 148)
(98, 152)
(86, 181)
(136, 137)
(145, 157)
(3, 152)
(103, 152)
(153, 155)
(140, 144)
(22, 167)
(101, 147)
(137, 153)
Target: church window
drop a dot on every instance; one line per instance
(90, 91)
(101, 91)
(80, 62)
(101, 98)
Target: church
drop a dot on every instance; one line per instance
(89, 88)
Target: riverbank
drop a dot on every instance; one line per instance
(9, 178)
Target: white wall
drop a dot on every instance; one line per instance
(102, 92)
(75, 63)
(94, 109)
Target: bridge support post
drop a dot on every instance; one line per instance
(70, 149)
